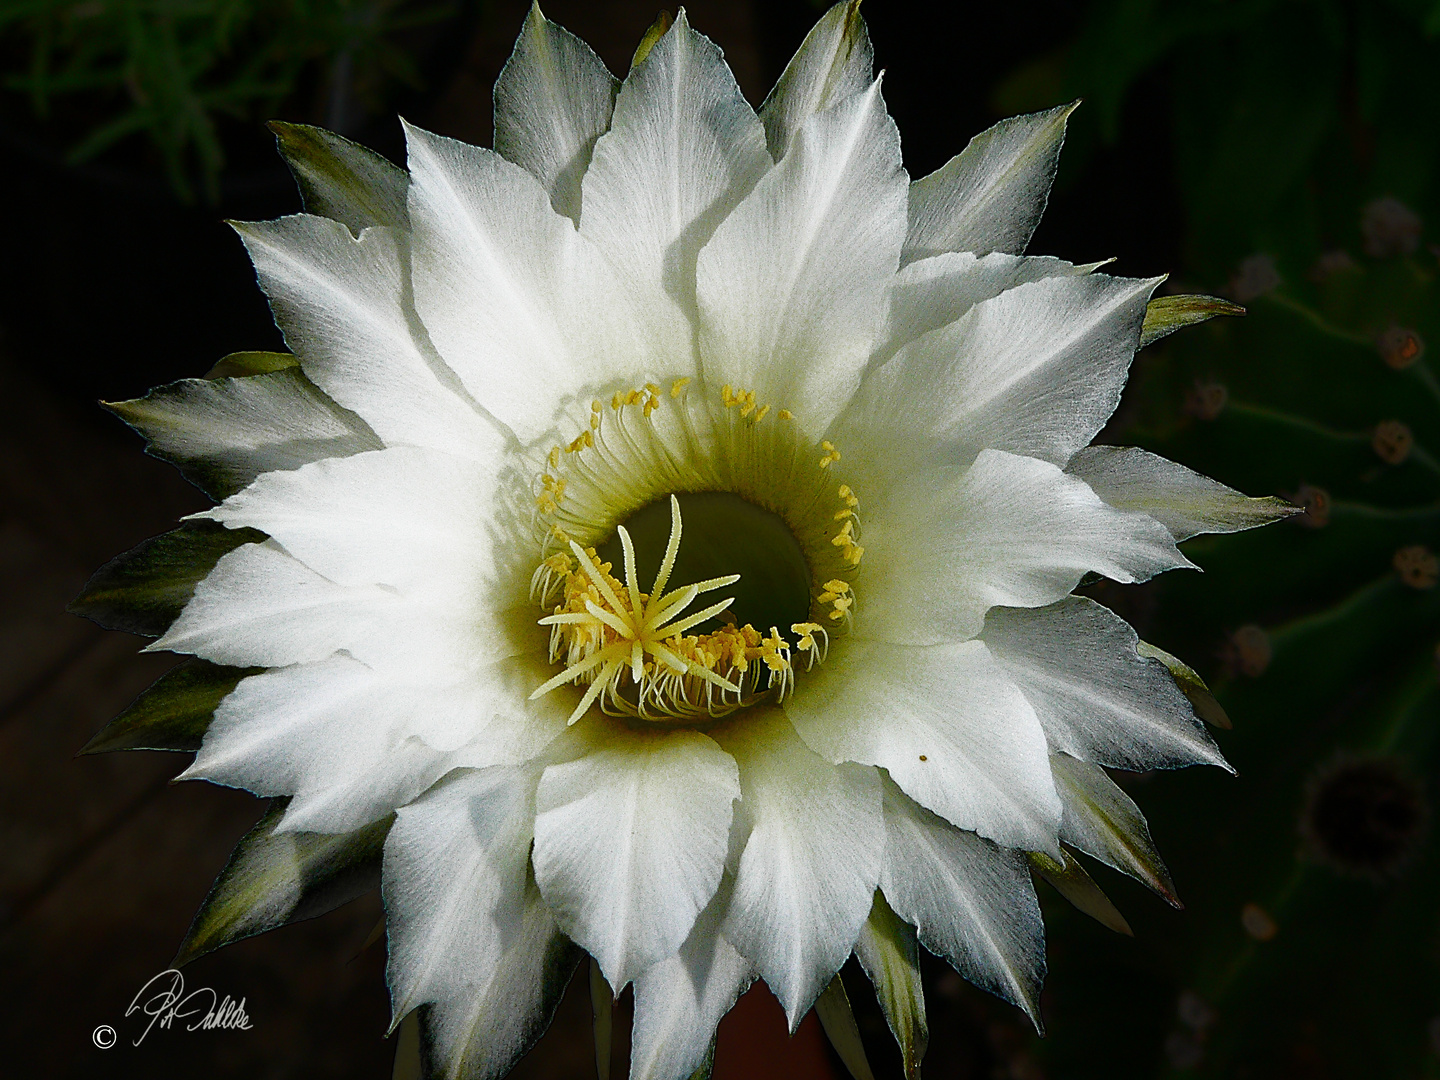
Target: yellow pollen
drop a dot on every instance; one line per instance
(785, 414)
(679, 385)
(631, 648)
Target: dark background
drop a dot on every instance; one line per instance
(1280, 152)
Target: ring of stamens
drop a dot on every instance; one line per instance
(648, 665)
(633, 650)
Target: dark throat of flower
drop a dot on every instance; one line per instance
(625, 614)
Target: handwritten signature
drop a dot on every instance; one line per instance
(164, 1000)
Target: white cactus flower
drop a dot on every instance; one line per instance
(551, 547)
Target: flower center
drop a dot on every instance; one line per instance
(718, 499)
(724, 534)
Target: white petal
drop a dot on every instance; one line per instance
(515, 300)
(947, 725)
(341, 303)
(681, 1000)
(792, 285)
(1182, 500)
(989, 197)
(240, 428)
(1104, 822)
(1036, 370)
(683, 148)
(350, 744)
(833, 62)
(1096, 697)
(405, 517)
(934, 292)
(260, 606)
(971, 901)
(467, 927)
(630, 840)
(552, 101)
(813, 845)
(329, 734)
(948, 545)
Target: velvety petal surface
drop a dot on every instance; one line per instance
(931, 293)
(1036, 370)
(630, 839)
(552, 101)
(989, 197)
(1096, 697)
(971, 900)
(343, 305)
(331, 734)
(468, 930)
(792, 285)
(810, 861)
(680, 1001)
(226, 432)
(683, 148)
(833, 62)
(261, 606)
(946, 724)
(948, 545)
(1104, 823)
(1182, 500)
(518, 303)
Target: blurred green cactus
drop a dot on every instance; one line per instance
(1306, 154)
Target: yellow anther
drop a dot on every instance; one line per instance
(617, 400)
(837, 586)
(679, 385)
(841, 515)
(554, 456)
(727, 395)
(785, 414)
(761, 414)
(845, 491)
(650, 386)
(594, 422)
(595, 406)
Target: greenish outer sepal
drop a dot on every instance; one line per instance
(889, 954)
(834, 61)
(561, 957)
(1191, 685)
(241, 365)
(707, 1066)
(1073, 883)
(838, 1020)
(658, 29)
(144, 590)
(602, 1017)
(1100, 820)
(222, 431)
(174, 713)
(409, 1064)
(342, 180)
(1166, 314)
(273, 879)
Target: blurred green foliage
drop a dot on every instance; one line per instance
(168, 70)
(1304, 138)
